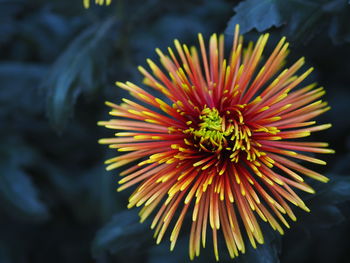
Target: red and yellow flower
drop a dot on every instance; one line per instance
(219, 142)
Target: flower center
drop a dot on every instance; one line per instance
(212, 131)
(227, 133)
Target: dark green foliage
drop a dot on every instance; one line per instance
(259, 14)
(123, 233)
(301, 19)
(80, 68)
(58, 204)
(269, 252)
(20, 199)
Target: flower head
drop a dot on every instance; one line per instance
(221, 147)
(98, 2)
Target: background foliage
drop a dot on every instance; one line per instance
(58, 63)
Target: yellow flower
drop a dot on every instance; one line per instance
(98, 2)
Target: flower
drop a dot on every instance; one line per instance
(220, 146)
(98, 2)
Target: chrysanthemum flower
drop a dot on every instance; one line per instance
(97, 2)
(221, 146)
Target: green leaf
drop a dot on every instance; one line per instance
(80, 69)
(258, 14)
(121, 233)
(301, 19)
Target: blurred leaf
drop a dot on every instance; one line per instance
(17, 191)
(329, 211)
(337, 190)
(93, 188)
(41, 33)
(161, 253)
(266, 253)
(342, 165)
(326, 216)
(8, 10)
(339, 29)
(325, 205)
(81, 68)
(48, 32)
(124, 231)
(12, 99)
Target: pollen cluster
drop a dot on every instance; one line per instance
(211, 133)
(223, 134)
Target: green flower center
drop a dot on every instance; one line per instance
(212, 132)
(222, 134)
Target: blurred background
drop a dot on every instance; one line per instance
(58, 64)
